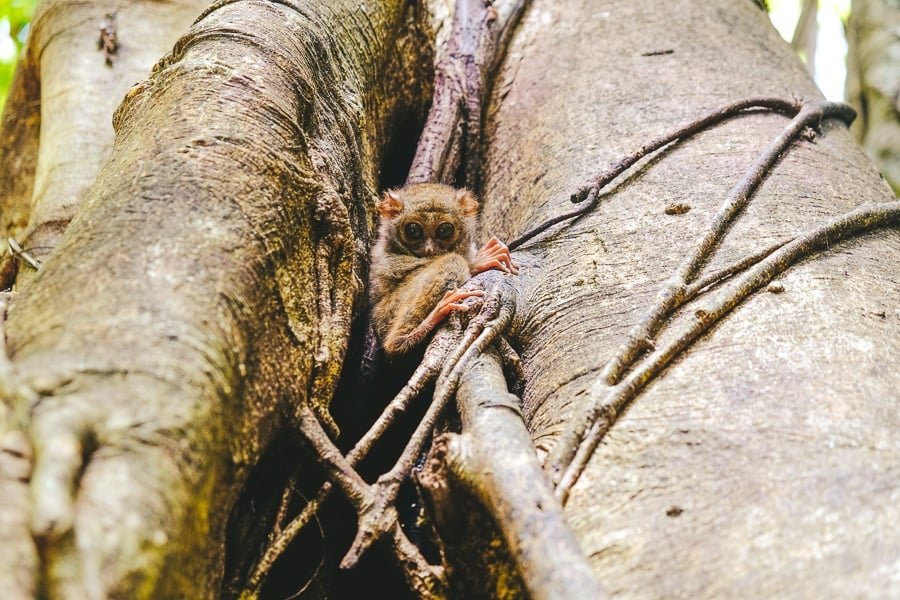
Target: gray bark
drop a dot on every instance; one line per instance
(764, 462)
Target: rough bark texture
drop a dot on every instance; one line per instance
(205, 289)
(763, 462)
(175, 329)
(19, 130)
(66, 93)
(873, 82)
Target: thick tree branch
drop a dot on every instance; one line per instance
(452, 131)
(172, 333)
(494, 459)
(76, 135)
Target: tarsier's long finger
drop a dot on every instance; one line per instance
(495, 263)
(505, 257)
(455, 295)
(482, 265)
(494, 250)
(501, 251)
(495, 245)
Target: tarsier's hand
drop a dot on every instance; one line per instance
(493, 255)
(451, 302)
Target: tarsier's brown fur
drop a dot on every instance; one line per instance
(425, 251)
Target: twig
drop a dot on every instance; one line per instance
(512, 366)
(15, 249)
(604, 411)
(672, 296)
(363, 497)
(590, 193)
(283, 540)
(286, 496)
(321, 564)
(444, 351)
(424, 373)
(338, 468)
(375, 521)
(716, 277)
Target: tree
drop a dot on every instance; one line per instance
(872, 82)
(200, 304)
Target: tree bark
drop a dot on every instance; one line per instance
(58, 125)
(761, 463)
(201, 301)
(174, 329)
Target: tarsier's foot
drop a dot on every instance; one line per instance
(493, 255)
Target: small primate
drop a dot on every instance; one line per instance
(425, 251)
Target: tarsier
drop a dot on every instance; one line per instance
(425, 251)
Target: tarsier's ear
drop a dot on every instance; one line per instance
(389, 205)
(468, 203)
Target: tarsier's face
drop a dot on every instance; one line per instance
(429, 233)
(428, 219)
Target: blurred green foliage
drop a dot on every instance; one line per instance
(15, 16)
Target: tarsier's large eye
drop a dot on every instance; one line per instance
(413, 231)
(444, 231)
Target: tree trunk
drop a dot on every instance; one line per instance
(873, 82)
(167, 339)
(58, 123)
(761, 463)
(204, 293)
(806, 34)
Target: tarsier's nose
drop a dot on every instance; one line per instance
(429, 249)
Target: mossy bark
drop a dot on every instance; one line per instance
(205, 286)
